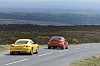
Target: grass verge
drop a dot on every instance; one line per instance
(90, 61)
(4, 48)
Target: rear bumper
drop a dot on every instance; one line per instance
(55, 45)
(20, 50)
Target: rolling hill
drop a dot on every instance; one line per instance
(50, 19)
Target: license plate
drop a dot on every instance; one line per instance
(18, 49)
(54, 42)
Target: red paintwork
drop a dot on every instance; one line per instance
(57, 43)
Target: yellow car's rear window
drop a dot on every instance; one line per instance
(21, 42)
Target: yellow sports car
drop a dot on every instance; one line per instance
(24, 46)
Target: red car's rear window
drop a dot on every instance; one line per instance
(55, 38)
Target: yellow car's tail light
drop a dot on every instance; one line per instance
(27, 46)
(12, 45)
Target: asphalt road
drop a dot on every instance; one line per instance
(50, 57)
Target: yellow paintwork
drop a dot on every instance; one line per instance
(21, 48)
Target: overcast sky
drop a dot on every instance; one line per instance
(51, 0)
(45, 3)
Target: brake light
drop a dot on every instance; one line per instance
(27, 46)
(60, 42)
(49, 42)
(12, 45)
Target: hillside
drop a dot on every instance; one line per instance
(41, 34)
(54, 19)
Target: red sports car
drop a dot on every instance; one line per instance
(57, 41)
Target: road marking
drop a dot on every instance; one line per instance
(63, 50)
(94, 46)
(45, 54)
(87, 47)
(16, 62)
(76, 48)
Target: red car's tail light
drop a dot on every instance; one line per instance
(49, 42)
(60, 42)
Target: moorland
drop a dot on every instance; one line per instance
(76, 28)
(40, 34)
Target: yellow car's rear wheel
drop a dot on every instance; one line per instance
(12, 53)
(31, 52)
(36, 52)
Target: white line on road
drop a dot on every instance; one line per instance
(76, 48)
(94, 46)
(87, 47)
(63, 50)
(45, 54)
(16, 62)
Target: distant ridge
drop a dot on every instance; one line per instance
(50, 19)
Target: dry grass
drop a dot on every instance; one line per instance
(4, 48)
(41, 34)
(89, 61)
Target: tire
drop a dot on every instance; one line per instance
(49, 47)
(11, 53)
(36, 52)
(66, 47)
(63, 47)
(53, 47)
(31, 52)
